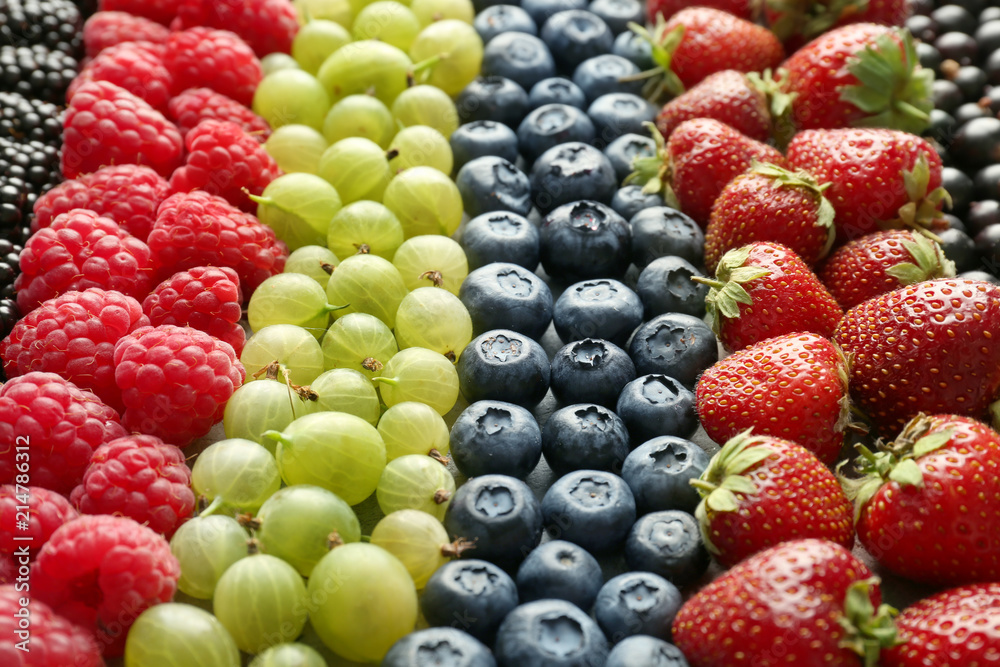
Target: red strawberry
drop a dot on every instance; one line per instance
(769, 203)
(926, 503)
(881, 262)
(797, 21)
(792, 387)
(930, 347)
(764, 290)
(807, 603)
(667, 8)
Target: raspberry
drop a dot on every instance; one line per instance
(198, 229)
(74, 336)
(266, 25)
(105, 124)
(161, 11)
(101, 572)
(47, 510)
(61, 424)
(105, 29)
(222, 159)
(206, 298)
(54, 641)
(8, 574)
(135, 66)
(126, 193)
(197, 104)
(141, 477)
(218, 59)
(175, 381)
(81, 249)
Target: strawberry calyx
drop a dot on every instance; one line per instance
(924, 208)
(803, 180)
(809, 18)
(930, 262)
(663, 41)
(726, 291)
(779, 104)
(845, 418)
(654, 172)
(867, 630)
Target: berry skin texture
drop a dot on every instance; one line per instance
(47, 510)
(266, 25)
(140, 477)
(206, 298)
(175, 381)
(105, 29)
(197, 104)
(101, 572)
(74, 336)
(79, 250)
(135, 66)
(726, 96)
(105, 124)
(218, 59)
(667, 8)
(161, 11)
(54, 641)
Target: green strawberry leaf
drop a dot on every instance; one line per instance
(907, 273)
(932, 442)
(866, 630)
(995, 415)
(701, 514)
(930, 262)
(924, 208)
(726, 292)
(907, 473)
(662, 44)
(779, 103)
(722, 500)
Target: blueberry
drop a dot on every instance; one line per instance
(634, 48)
(637, 603)
(584, 239)
(542, 10)
(492, 98)
(504, 365)
(500, 514)
(560, 570)
(597, 309)
(556, 90)
(522, 58)
(499, 19)
(959, 248)
(659, 473)
(619, 13)
(472, 595)
(666, 286)
(668, 543)
(678, 345)
(439, 646)
(645, 650)
(550, 633)
(590, 371)
(501, 237)
(481, 138)
(662, 231)
(592, 508)
(551, 125)
(492, 183)
(617, 114)
(506, 295)
(569, 173)
(575, 35)
(605, 74)
(628, 201)
(655, 405)
(584, 437)
(623, 150)
(494, 437)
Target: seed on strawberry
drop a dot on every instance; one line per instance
(795, 23)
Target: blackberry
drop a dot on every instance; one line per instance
(56, 24)
(27, 119)
(14, 222)
(10, 253)
(36, 71)
(27, 170)
(9, 315)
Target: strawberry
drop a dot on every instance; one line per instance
(667, 8)
(759, 490)
(929, 347)
(862, 74)
(792, 387)
(764, 290)
(769, 203)
(959, 626)
(797, 21)
(878, 178)
(881, 262)
(927, 502)
(807, 603)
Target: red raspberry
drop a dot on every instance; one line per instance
(74, 336)
(46, 511)
(266, 25)
(105, 124)
(175, 381)
(54, 641)
(126, 193)
(197, 104)
(61, 424)
(101, 572)
(161, 11)
(198, 229)
(222, 159)
(8, 574)
(135, 66)
(206, 298)
(141, 477)
(218, 59)
(104, 29)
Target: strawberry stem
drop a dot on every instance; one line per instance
(867, 630)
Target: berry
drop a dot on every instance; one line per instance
(731, 97)
(667, 8)
(28, 169)
(36, 72)
(218, 59)
(9, 315)
(197, 104)
(161, 11)
(268, 26)
(795, 24)
(175, 381)
(135, 66)
(54, 641)
(51, 23)
(10, 256)
(59, 422)
(25, 118)
(46, 510)
(105, 29)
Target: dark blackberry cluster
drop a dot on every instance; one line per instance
(26, 119)
(27, 170)
(56, 24)
(9, 314)
(37, 72)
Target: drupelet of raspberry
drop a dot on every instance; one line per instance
(129, 194)
(161, 11)
(74, 336)
(60, 423)
(79, 250)
(197, 104)
(266, 25)
(135, 66)
(104, 29)
(206, 298)
(198, 229)
(217, 59)
(222, 159)
(53, 641)
(141, 477)
(46, 511)
(101, 572)
(105, 124)
(175, 381)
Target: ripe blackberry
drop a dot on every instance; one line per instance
(10, 253)
(26, 119)
(9, 316)
(14, 224)
(34, 163)
(36, 71)
(52, 23)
